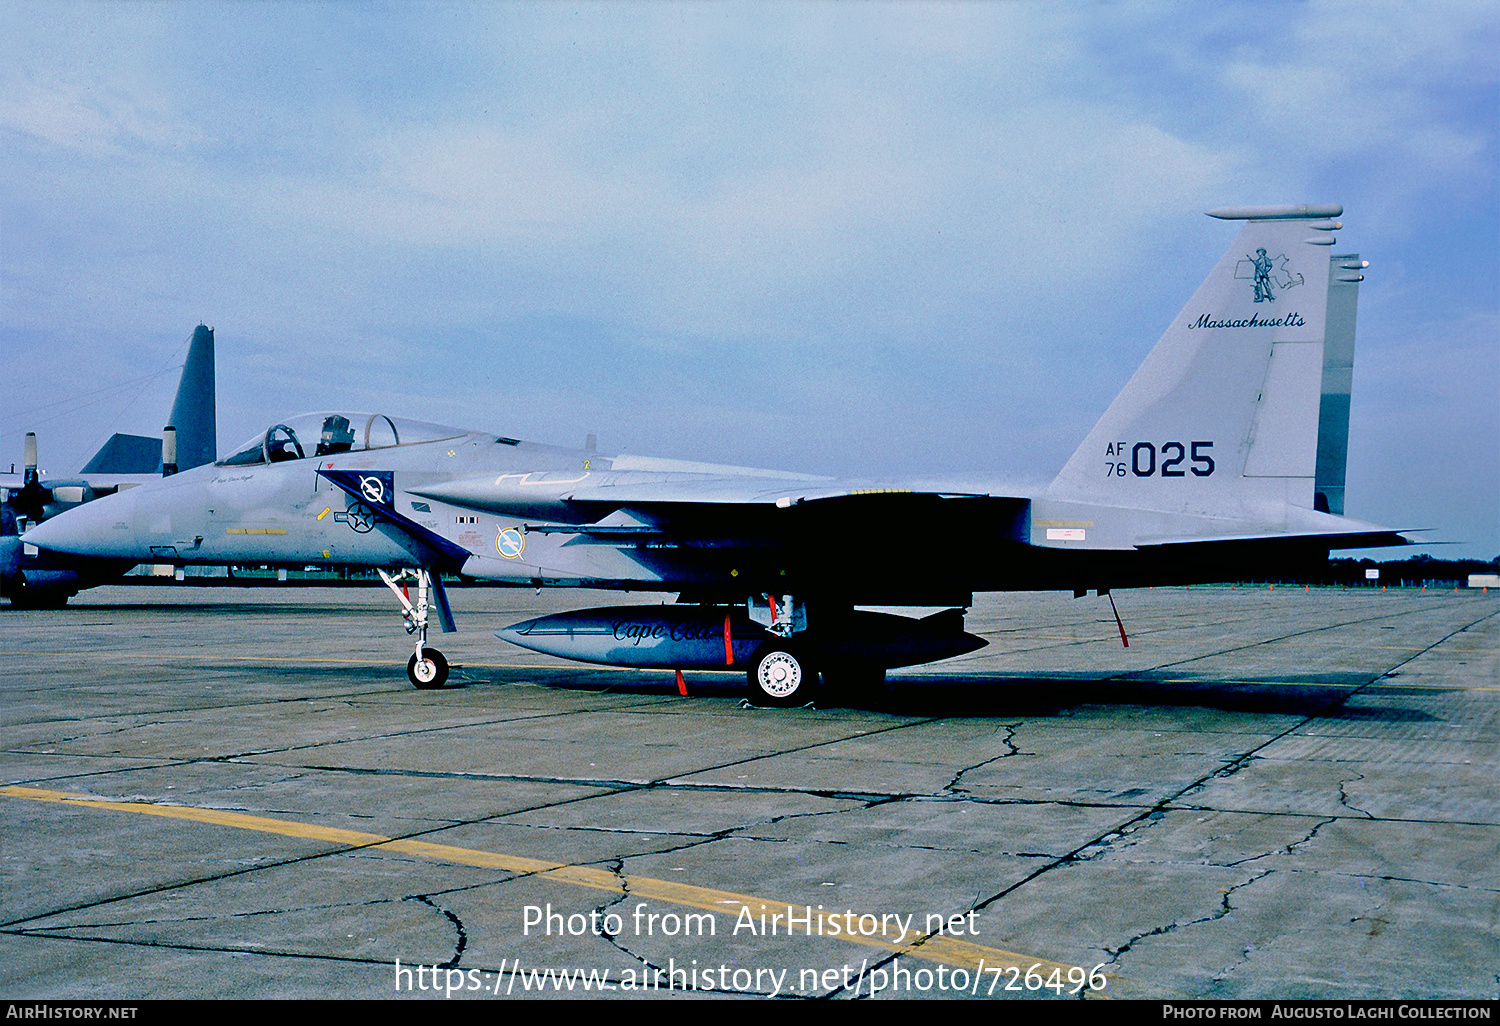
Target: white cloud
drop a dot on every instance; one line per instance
(94, 120)
(1370, 82)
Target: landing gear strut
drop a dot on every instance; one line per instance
(779, 672)
(427, 668)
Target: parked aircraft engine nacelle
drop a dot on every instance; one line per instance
(10, 548)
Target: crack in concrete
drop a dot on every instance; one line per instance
(617, 866)
(1226, 907)
(1424, 883)
(706, 835)
(1285, 849)
(462, 940)
(91, 735)
(1008, 741)
(1344, 795)
(1234, 765)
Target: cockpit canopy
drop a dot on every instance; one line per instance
(325, 434)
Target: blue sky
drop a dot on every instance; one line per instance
(899, 240)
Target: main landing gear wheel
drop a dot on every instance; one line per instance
(428, 672)
(853, 681)
(39, 598)
(779, 675)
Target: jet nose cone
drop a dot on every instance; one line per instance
(98, 528)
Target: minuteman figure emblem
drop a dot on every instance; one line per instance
(1262, 277)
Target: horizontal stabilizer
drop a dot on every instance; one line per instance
(1299, 212)
(126, 454)
(1375, 538)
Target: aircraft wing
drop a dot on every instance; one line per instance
(550, 493)
(1296, 527)
(701, 531)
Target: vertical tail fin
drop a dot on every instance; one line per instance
(1222, 418)
(194, 415)
(194, 412)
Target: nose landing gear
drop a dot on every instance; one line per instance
(427, 668)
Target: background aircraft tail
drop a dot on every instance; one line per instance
(194, 415)
(1241, 408)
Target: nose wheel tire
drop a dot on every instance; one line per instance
(428, 672)
(779, 675)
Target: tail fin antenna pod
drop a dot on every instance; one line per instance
(1338, 378)
(1222, 417)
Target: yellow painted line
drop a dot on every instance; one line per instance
(946, 950)
(323, 514)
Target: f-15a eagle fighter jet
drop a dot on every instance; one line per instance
(1222, 457)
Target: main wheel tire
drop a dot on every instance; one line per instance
(779, 675)
(853, 681)
(429, 672)
(40, 598)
